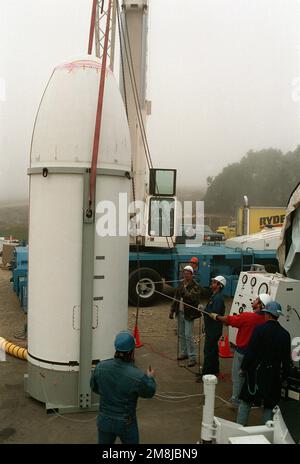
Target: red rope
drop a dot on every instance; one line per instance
(92, 27)
(99, 110)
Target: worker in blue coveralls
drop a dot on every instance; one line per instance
(119, 384)
(213, 328)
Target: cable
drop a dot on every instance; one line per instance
(122, 66)
(175, 399)
(295, 310)
(185, 304)
(132, 78)
(159, 353)
(224, 401)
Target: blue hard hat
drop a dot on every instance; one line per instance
(273, 308)
(124, 342)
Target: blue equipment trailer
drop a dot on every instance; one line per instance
(150, 268)
(20, 274)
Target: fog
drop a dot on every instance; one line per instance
(223, 79)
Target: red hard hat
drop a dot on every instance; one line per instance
(194, 260)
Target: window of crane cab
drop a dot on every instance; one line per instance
(163, 182)
(161, 218)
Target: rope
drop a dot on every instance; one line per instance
(165, 281)
(99, 112)
(183, 396)
(185, 304)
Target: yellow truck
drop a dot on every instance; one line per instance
(253, 219)
(228, 231)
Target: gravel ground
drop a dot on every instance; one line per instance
(173, 416)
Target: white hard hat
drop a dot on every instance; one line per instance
(189, 268)
(220, 279)
(265, 298)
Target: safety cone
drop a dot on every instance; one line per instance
(138, 343)
(224, 348)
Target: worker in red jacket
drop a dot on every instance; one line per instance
(245, 323)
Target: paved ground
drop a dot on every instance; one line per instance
(166, 419)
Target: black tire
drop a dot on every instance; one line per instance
(149, 279)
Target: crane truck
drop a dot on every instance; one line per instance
(158, 258)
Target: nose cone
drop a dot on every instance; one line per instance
(64, 128)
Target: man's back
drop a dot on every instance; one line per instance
(119, 385)
(270, 345)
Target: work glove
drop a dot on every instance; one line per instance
(213, 316)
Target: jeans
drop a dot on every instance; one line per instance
(244, 411)
(110, 428)
(237, 380)
(185, 333)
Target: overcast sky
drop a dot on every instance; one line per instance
(222, 79)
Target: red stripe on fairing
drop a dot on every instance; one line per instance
(81, 64)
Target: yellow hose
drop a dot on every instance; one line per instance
(13, 350)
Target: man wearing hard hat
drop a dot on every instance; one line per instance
(245, 323)
(194, 262)
(266, 366)
(213, 328)
(119, 384)
(186, 301)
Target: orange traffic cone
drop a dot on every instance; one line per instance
(138, 343)
(224, 348)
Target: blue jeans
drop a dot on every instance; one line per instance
(237, 380)
(185, 333)
(244, 411)
(110, 428)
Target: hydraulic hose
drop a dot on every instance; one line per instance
(13, 350)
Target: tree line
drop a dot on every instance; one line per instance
(267, 177)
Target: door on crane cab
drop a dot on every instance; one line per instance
(161, 209)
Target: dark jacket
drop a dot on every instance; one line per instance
(190, 295)
(266, 364)
(119, 385)
(216, 305)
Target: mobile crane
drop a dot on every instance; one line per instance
(154, 254)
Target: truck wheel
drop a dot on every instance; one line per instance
(144, 282)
